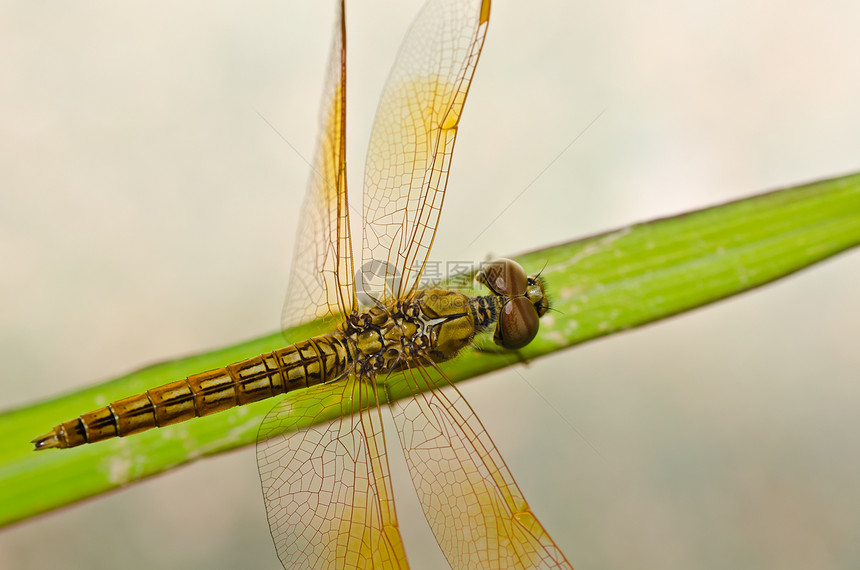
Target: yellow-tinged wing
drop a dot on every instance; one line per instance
(327, 488)
(474, 507)
(412, 140)
(321, 276)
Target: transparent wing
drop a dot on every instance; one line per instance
(321, 282)
(327, 489)
(470, 498)
(412, 140)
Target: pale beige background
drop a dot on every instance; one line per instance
(148, 212)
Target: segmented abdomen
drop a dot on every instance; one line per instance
(313, 361)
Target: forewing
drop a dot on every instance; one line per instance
(327, 488)
(412, 141)
(321, 276)
(470, 498)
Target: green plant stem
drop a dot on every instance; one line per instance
(599, 285)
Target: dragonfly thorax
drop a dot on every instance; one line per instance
(433, 325)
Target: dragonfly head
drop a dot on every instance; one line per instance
(525, 302)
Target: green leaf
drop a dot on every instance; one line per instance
(598, 285)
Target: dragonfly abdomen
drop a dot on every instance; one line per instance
(300, 365)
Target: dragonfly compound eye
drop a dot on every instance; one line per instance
(518, 324)
(503, 277)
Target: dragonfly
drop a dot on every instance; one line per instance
(327, 488)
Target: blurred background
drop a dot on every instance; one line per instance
(148, 212)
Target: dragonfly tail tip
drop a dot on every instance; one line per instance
(46, 441)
